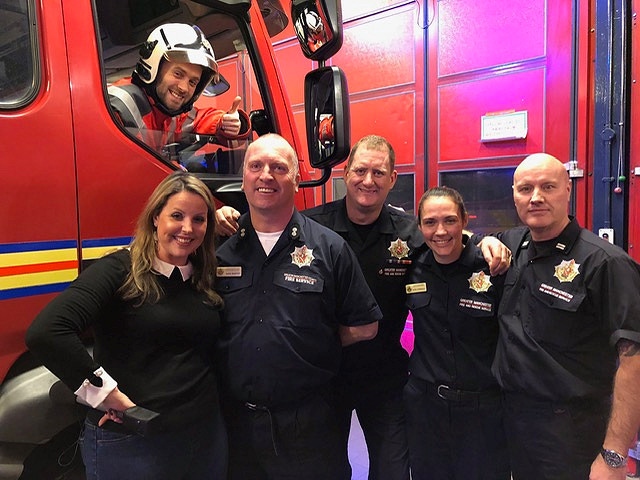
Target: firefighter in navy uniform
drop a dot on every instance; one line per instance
(157, 104)
(294, 296)
(373, 373)
(570, 300)
(453, 402)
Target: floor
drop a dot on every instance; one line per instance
(358, 452)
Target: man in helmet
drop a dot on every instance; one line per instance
(157, 105)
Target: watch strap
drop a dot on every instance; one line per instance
(613, 458)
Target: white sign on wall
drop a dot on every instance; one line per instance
(504, 126)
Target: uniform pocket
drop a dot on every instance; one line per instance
(554, 316)
(227, 285)
(418, 300)
(557, 298)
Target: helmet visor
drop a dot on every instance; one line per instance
(196, 57)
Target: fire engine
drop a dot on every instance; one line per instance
(464, 90)
(75, 179)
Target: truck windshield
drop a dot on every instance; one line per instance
(187, 142)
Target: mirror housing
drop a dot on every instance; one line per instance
(260, 122)
(327, 116)
(318, 26)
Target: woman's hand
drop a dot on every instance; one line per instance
(115, 403)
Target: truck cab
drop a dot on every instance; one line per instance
(76, 178)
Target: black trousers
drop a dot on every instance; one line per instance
(455, 438)
(381, 416)
(292, 442)
(554, 441)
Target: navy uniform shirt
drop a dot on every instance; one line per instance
(385, 257)
(565, 305)
(282, 311)
(455, 322)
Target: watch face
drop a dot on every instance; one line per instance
(613, 459)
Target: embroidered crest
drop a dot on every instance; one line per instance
(302, 256)
(479, 282)
(567, 270)
(399, 249)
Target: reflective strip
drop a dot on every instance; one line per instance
(187, 126)
(8, 260)
(96, 248)
(42, 278)
(37, 268)
(171, 132)
(134, 119)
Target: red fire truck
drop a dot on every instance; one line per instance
(75, 180)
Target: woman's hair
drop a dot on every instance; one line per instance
(447, 192)
(141, 283)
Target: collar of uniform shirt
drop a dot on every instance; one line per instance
(165, 269)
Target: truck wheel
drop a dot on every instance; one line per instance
(58, 459)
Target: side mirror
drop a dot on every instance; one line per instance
(260, 121)
(318, 26)
(326, 107)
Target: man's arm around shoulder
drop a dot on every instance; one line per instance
(351, 335)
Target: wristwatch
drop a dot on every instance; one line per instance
(613, 458)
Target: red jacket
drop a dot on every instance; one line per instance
(143, 119)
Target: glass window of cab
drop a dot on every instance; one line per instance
(19, 58)
(124, 31)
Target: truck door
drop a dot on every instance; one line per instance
(38, 219)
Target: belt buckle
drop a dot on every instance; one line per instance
(255, 407)
(440, 389)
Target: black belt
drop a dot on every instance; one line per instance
(254, 407)
(580, 403)
(274, 409)
(284, 405)
(454, 395)
(278, 407)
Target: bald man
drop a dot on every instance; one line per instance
(294, 296)
(569, 314)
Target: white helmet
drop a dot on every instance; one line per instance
(176, 42)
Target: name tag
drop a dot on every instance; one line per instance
(229, 272)
(416, 287)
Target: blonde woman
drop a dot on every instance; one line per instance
(155, 318)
